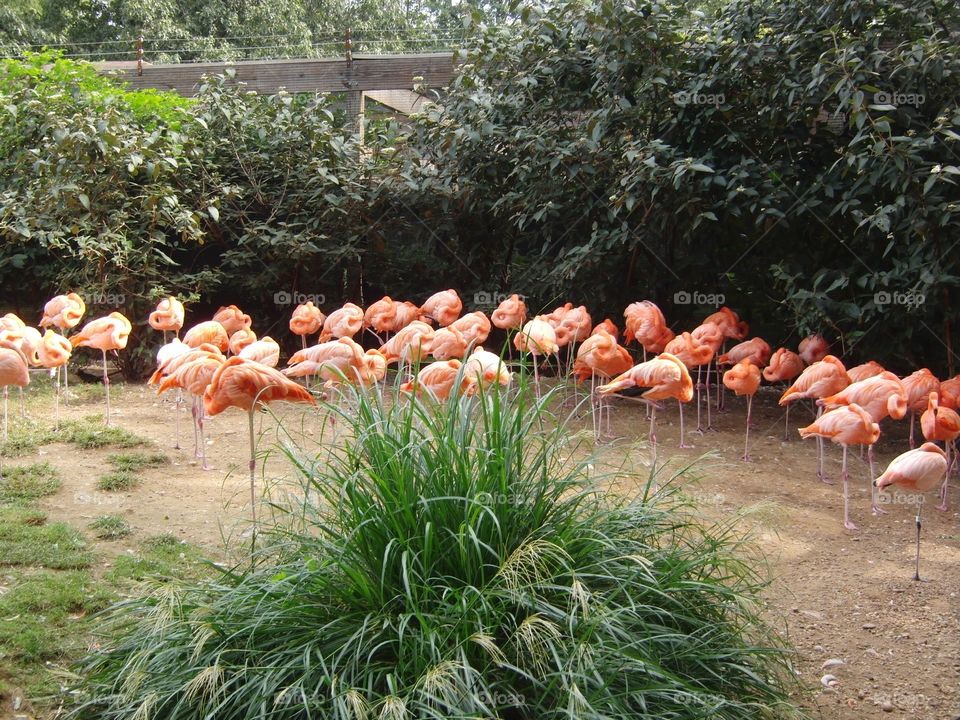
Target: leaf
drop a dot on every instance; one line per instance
(213, 213)
(84, 200)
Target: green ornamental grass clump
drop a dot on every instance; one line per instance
(454, 560)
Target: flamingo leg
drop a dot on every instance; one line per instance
(846, 493)
(946, 480)
(682, 443)
(536, 376)
(56, 400)
(203, 442)
(23, 408)
(652, 436)
(253, 467)
(916, 569)
(176, 410)
(5, 394)
(593, 406)
(709, 411)
(196, 436)
(874, 496)
(746, 442)
(303, 342)
(699, 423)
(106, 384)
(820, 453)
(786, 425)
(913, 443)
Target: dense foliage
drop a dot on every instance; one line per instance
(798, 158)
(456, 561)
(185, 30)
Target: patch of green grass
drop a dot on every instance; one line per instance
(43, 618)
(110, 527)
(117, 480)
(20, 515)
(161, 556)
(29, 482)
(90, 433)
(52, 545)
(24, 437)
(133, 461)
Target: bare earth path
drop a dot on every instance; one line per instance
(837, 595)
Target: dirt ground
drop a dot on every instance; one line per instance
(846, 600)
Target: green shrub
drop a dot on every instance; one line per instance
(455, 561)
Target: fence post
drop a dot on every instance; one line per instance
(353, 99)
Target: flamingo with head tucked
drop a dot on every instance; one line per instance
(106, 333)
(919, 470)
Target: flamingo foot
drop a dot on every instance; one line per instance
(942, 507)
(746, 458)
(686, 446)
(824, 479)
(877, 510)
(849, 525)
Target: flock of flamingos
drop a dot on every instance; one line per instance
(222, 364)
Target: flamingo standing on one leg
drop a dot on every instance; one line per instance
(869, 369)
(247, 384)
(106, 333)
(54, 352)
(379, 317)
(847, 425)
(346, 321)
(537, 338)
(168, 317)
(232, 318)
(665, 375)
(744, 379)
(941, 423)
(881, 396)
(919, 470)
(306, 319)
(823, 378)
(784, 366)
(693, 354)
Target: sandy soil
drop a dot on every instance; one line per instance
(837, 595)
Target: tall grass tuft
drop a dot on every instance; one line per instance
(455, 560)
